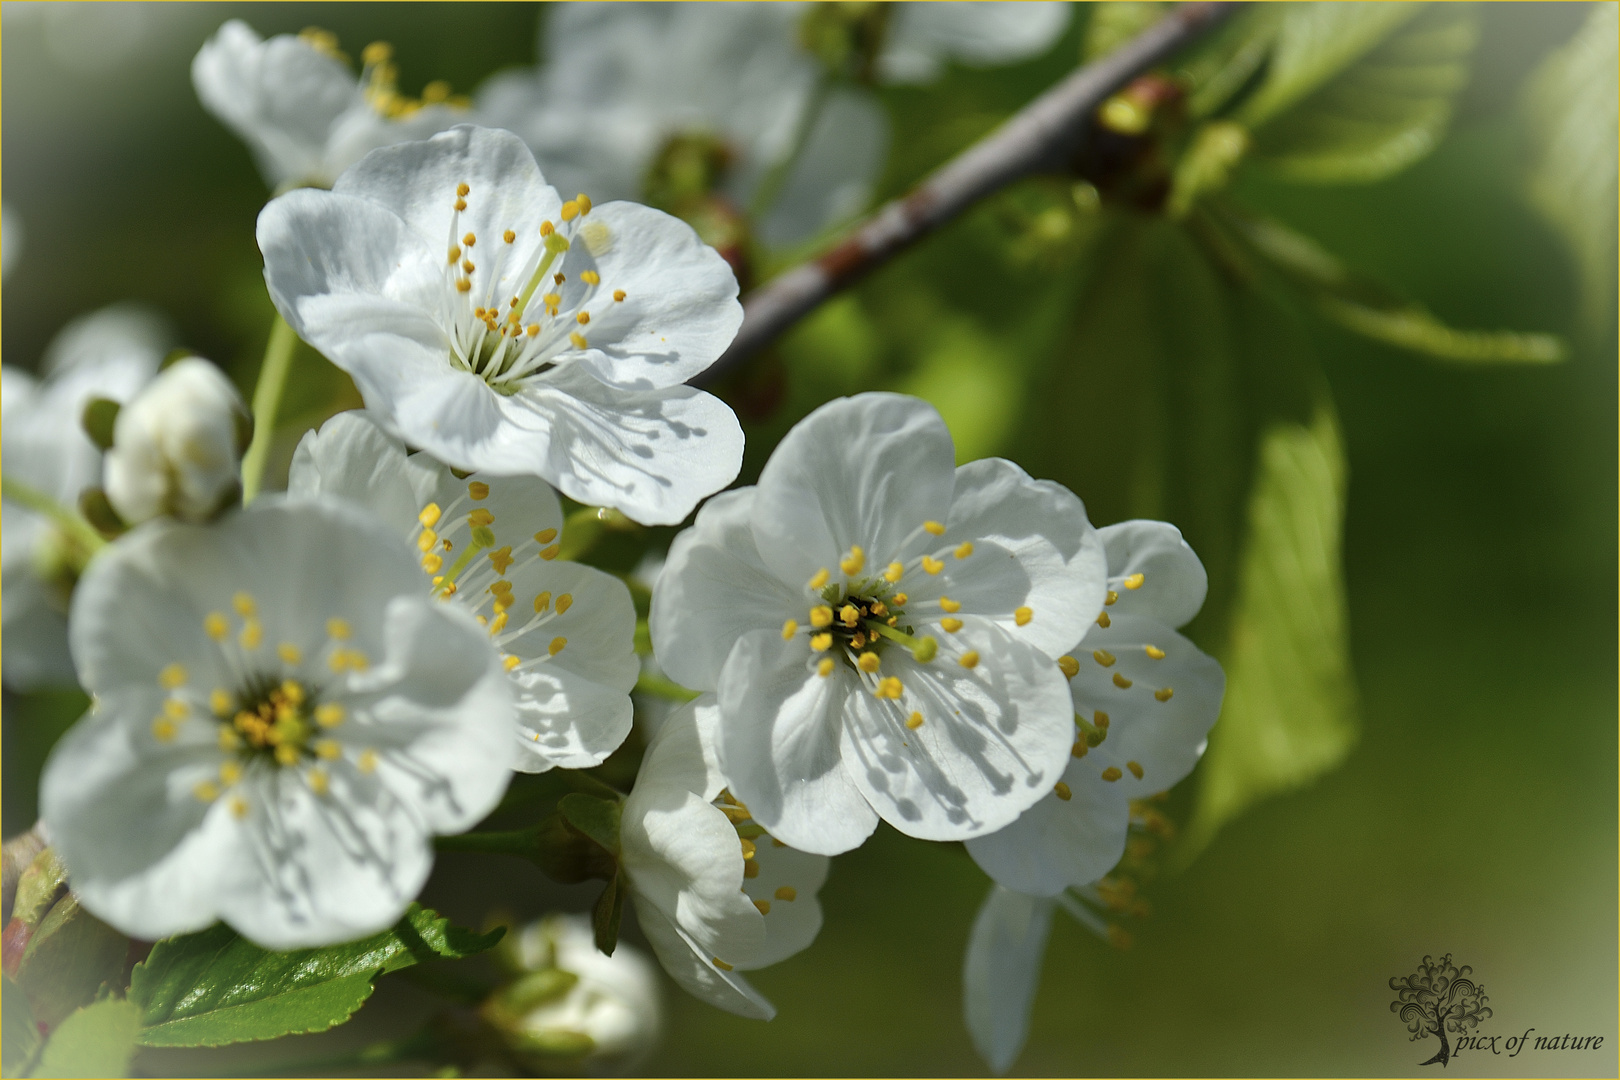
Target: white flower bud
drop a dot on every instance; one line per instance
(576, 1011)
(176, 446)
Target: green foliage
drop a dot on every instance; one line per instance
(1108, 26)
(70, 956)
(1321, 118)
(215, 987)
(1289, 713)
(19, 1032)
(97, 1040)
(1572, 111)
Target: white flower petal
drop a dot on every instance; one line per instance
(696, 973)
(866, 470)
(787, 883)
(714, 589)
(921, 38)
(1058, 843)
(1173, 580)
(780, 730)
(353, 458)
(832, 178)
(1001, 972)
(993, 741)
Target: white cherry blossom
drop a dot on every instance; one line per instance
(506, 331)
(881, 627)
(1144, 698)
(489, 544)
(109, 354)
(282, 722)
(295, 102)
(713, 892)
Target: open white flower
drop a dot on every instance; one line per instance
(109, 354)
(506, 331)
(1144, 698)
(921, 38)
(177, 446)
(730, 81)
(566, 632)
(881, 626)
(282, 721)
(299, 107)
(1001, 970)
(714, 894)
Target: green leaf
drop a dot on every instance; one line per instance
(70, 954)
(19, 1032)
(596, 818)
(972, 378)
(1380, 113)
(1108, 26)
(1572, 110)
(1316, 42)
(216, 987)
(97, 1040)
(608, 912)
(1289, 713)
(1368, 308)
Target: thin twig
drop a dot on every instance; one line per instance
(1042, 137)
(278, 356)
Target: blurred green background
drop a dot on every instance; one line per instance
(1475, 815)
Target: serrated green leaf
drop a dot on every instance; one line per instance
(1314, 43)
(97, 1040)
(216, 987)
(1381, 113)
(19, 1033)
(1368, 308)
(1289, 714)
(1572, 110)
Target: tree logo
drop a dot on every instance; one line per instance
(1437, 998)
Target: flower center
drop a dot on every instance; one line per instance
(273, 720)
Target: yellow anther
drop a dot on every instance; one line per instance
(480, 516)
(789, 628)
(821, 642)
(914, 721)
(591, 277)
(510, 663)
(545, 536)
(899, 599)
(1061, 790)
(1121, 681)
(931, 564)
(952, 606)
(532, 330)
(1103, 657)
(1111, 774)
(175, 709)
(318, 782)
(894, 573)
(229, 773)
(501, 559)
(433, 562)
(849, 615)
(764, 906)
(467, 266)
(454, 254)
(557, 645)
(1136, 769)
(244, 605)
(172, 677)
(469, 240)
(1153, 652)
(1100, 720)
(378, 52)
(969, 660)
(821, 616)
(164, 729)
(564, 602)
(852, 563)
(618, 294)
(462, 191)
(868, 662)
(328, 749)
(290, 654)
(1103, 620)
(1134, 581)
(252, 635)
(338, 629)
(460, 204)
(502, 586)
(293, 691)
(463, 285)
(368, 762)
(578, 340)
(498, 625)
(819, 582)
(239, 808)
(1112, 598)
(584, 319)
(228, 739)
(1069, 666)
(889, 688)
(207, 791)
(570, 210)
(509, 236)
(541, 603)
(1022, 615)
(934, 527)
(547, 228)
(219, 702)
(950, 626)
(964, 549)
(551, 300)
(719, 963)
(787, 893)
(825, 668)
(287, 754)
(551, 552)
(216, 626)
(477, 489)
(1164, 695)
(748, 849)
(584, 202)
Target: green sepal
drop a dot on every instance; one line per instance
(70, 955)
(99, 418)
(608, 912)
(97, 1040)
(37, 887)
(98, 510)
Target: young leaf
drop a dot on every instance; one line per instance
(215, 987)
(1381, 113)
(97, 1040)
(1572, 111)
(1289, 713)
(1315, 43)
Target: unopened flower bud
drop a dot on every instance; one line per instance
(176, 447)
(572, 1010)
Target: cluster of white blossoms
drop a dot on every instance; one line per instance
(292, 699)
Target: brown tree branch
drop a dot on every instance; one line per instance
(1042, 137)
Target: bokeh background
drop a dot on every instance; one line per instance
(1476, 813)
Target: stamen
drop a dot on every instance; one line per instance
(216, 626)
(764, 906)
(368, 762)
(511, 662)
(1111, 774)
(825, 668)
(1153, 652)
(949, 605)
(821, 616)
(338, 628)
(821, 643)
(964, 549)
(789, 628)
(545, 536)
(329, 715)
(931, 564)
(219, 702)
(1069, 666)
(787, 893)
(501, 559)
(591, 277)
(252, 634)
(1136, 769)
(578, 340)
(290, 654)
(328, 749)
(894, 573)
(719, 963)
(1061, 790)
(1164, 695)
(853, 562)
(934, 527)
(564, 602)
(480, 517)
(1112, 599)
(889, 688)
(868, 662)
(478, 490)
(244, 605)
(1134, 581)
(164, 729)
(1103, 620)
(557, 645)
(819, 582)
(618, 295)
(914, 721)
(1022, 615)
(849, 615)
(542, 602)
(1121, 681)
(172, 677)
(969, 660)
(950, 626)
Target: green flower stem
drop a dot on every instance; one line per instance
(278, 356)
(77, 529)
(658, 686)
(524, 843)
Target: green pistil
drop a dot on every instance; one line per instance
(482, 538)
(922, 649)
